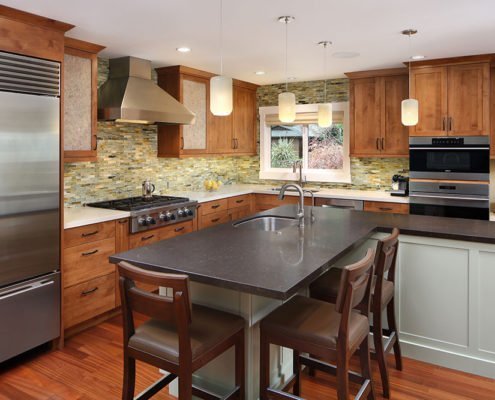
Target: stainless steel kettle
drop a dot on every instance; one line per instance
(148, 189)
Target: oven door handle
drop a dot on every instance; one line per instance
(449, 148)
(449, 197)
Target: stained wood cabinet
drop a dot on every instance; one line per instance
(454, 100)
(210, 135)
(376, 128)
(80, 100)
(224, 210)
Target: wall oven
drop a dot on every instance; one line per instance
(459, 158)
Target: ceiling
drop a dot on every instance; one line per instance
(254, 40)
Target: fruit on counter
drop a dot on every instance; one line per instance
(210, 184)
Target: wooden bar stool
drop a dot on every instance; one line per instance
(326, 288)
(331, 333)
(180, 337)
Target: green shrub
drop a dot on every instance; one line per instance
(283, 153)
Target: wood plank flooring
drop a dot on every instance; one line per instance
(90, 368)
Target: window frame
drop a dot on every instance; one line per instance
(312, 175)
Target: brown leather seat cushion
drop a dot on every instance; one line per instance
(209, 328)
(314, 321)
(326, 287)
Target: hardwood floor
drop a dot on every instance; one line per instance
(90, 368)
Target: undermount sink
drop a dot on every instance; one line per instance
(267, 223)
(277, 189)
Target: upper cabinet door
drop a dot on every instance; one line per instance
(429, 87)
(365, 117)
(220, 136)
(244, 120)
(195, 98)
(395, 135)
(469, 99)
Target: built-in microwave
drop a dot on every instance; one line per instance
(453, 158)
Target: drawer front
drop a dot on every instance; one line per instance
(240, 212)
(89, 233)
(269, 201)
(239, 201)
(206, 221)
(340, 203)
(143, 238)
(211, 207)
(175, 230)
(385, 207)
(89, 299)
(88, 261)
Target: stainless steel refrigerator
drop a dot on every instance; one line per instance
(29, 203)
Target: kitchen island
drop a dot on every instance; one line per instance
(446, 267)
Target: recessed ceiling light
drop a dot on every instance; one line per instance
(345, 54)
(183, 49)
(418, 57)
(260, 72)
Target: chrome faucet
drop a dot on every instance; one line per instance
(312, 203)
(298, 164)
(300, 210)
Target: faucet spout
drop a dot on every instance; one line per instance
(300, 209)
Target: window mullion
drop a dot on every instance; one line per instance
(305, 146)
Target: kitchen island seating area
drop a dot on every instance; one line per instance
(180, 337)
(329, 332)
(326, 288)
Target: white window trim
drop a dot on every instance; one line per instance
(311, 175)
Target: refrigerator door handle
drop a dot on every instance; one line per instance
(26, 289)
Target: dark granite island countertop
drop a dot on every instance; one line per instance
(278, 264)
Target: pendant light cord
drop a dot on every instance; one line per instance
(325, 71)
(221, 37)
(286, 53)
(409, 72)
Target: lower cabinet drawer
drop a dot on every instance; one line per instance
(143, 238)
(175, 230)
(218, 218)
(88, 261)
(239, 201)
(89, 299)
(240, 212)
(386, 207)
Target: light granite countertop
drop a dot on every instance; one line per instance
(80, 216)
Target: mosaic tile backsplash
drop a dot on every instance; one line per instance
(127, 156)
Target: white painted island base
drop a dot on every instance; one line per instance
(445, 307)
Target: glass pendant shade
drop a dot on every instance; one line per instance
(409, 112)
(221, 95)
(325, 115)
(287, 107)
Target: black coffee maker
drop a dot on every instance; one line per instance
(400, 185)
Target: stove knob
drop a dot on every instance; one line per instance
(173, 217)
(142, 221)
(150, 220)
(188, 212)
(181, 213)
(166, 217)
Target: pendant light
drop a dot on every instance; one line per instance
(286, 100)
(409, 107)
(221, 86)
(325, 109)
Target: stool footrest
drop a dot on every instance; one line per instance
(329, 368)
(154, 388)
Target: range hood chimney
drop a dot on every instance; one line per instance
(129, 95)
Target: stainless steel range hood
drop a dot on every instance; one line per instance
(129, 95)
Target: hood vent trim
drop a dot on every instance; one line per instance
(129, 95)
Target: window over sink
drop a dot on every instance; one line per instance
(324, 152)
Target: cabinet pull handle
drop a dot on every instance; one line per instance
(385, 208)
(215, 220)
(239, 201)
(215, 206)
(147, 237)
(383, 143)
(378, 143)
(451, 124)
(123, 221)
(444, 125)
(86, 292)
(89, 233)
(179, 229)
(182, 142)
(89, 253)
(96, 143)
(237, 143)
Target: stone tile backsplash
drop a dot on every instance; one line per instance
(127, 156)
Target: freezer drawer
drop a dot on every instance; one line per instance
(29, 315)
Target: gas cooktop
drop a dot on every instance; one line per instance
(139, 203)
